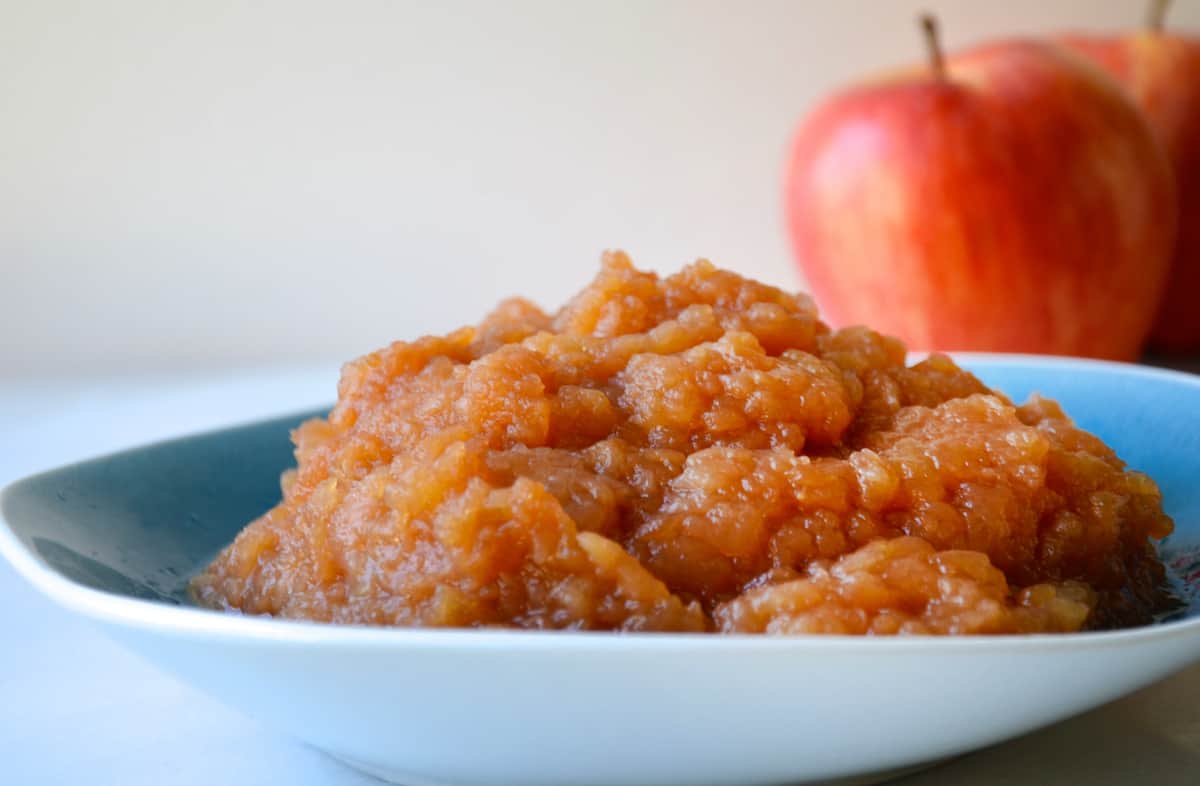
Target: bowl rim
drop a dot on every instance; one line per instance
(198, 622)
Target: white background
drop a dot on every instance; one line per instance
(216, 184)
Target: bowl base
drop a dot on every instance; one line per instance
(403, 778)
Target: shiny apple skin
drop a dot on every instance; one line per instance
(1020, 204)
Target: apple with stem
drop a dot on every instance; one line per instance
(1010, 198)
(1161, 71)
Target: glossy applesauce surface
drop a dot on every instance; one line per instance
(693, 453)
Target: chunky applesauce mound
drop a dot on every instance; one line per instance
(693, 453)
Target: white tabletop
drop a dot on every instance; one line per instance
(77, 709)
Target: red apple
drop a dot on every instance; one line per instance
(1161, 71)
(1010, 198)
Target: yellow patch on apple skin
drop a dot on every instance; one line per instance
(1158, 71)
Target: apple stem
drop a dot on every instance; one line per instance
(1157, 15)
(933, 44)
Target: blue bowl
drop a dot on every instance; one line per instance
(117, 538)
(142, 522)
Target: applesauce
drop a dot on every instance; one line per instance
(693, 453)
